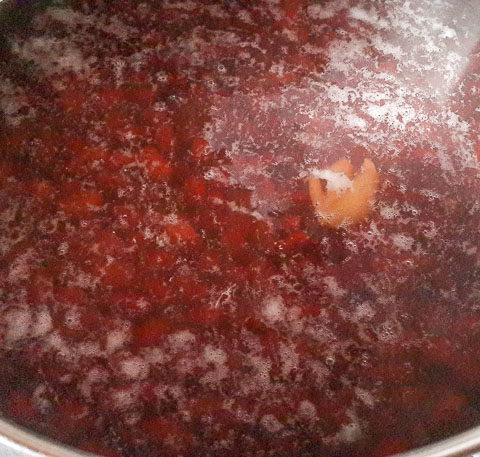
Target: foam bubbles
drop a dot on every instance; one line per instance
(17, 323)
(289, 359)
(307, 410)
(181, 341)
(336, 181)
(42, 323)
(134, 368)
(273, 309)
(123, 398)
(349, 433)
(389, 212)
(214, 355)
(333, 288)
(403, 242)
(366, 397)
(118, 337)
(271, 423)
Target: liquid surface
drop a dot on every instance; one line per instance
(166, 286)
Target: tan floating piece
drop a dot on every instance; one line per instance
(350, 205)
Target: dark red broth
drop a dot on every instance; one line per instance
(166, 289)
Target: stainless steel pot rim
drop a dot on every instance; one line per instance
(32, 444)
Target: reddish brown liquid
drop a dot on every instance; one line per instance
(166, 288)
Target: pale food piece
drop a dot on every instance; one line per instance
(346, 198)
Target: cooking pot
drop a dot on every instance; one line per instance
(16, 441)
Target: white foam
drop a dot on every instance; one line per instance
(134, 368)
(42, 323)
(319, 12)
(124, 398)
(72, 318)
(89, 349)
(56, 343)
(182, 341)
(289, 359)
(187, 5)
(307, 410)
(336, 181)
(260, 379)
(349, 433)
(12, 100)
(333, 288)
(402, 241)
(96, 375)
(21, 266)
(389, 212)
(273, 309)
(271, 423)
(118, 338)
(155, 356)
(17, 322)
(214, 355)
(365, 396)
(54, 55)
(217, 357)
(40, 399)
(364, 311)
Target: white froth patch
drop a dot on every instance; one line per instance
(42, 323)
(325, 11)
(20, 323)
(56, 343)
(289, 359)
(20, 267)
(295, 320)
(389, 212)
(403, 242)
(273, 309)
(97, 375)
(355, 122)
(341, 95)
(320, 371)
(349, 433)
(364, 311)
(12, 99)
(245, 16)
(124, 398)
(396, 114)
(214, 355)
(217, 11)
(307, 410)
(260, 379)
(17, 324)
(366, 397)
(72, 18)
(186, 5)
(72, 318)
(118, 338)
(319, 12)
(217, 357)
(336, 181)
(271, 423)
(370, 16)
(333, 288)
(40, 400)
(88, 349)
(155, 356)
(134, 368)
(182, 340)
(389, 331)
(53, 55)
